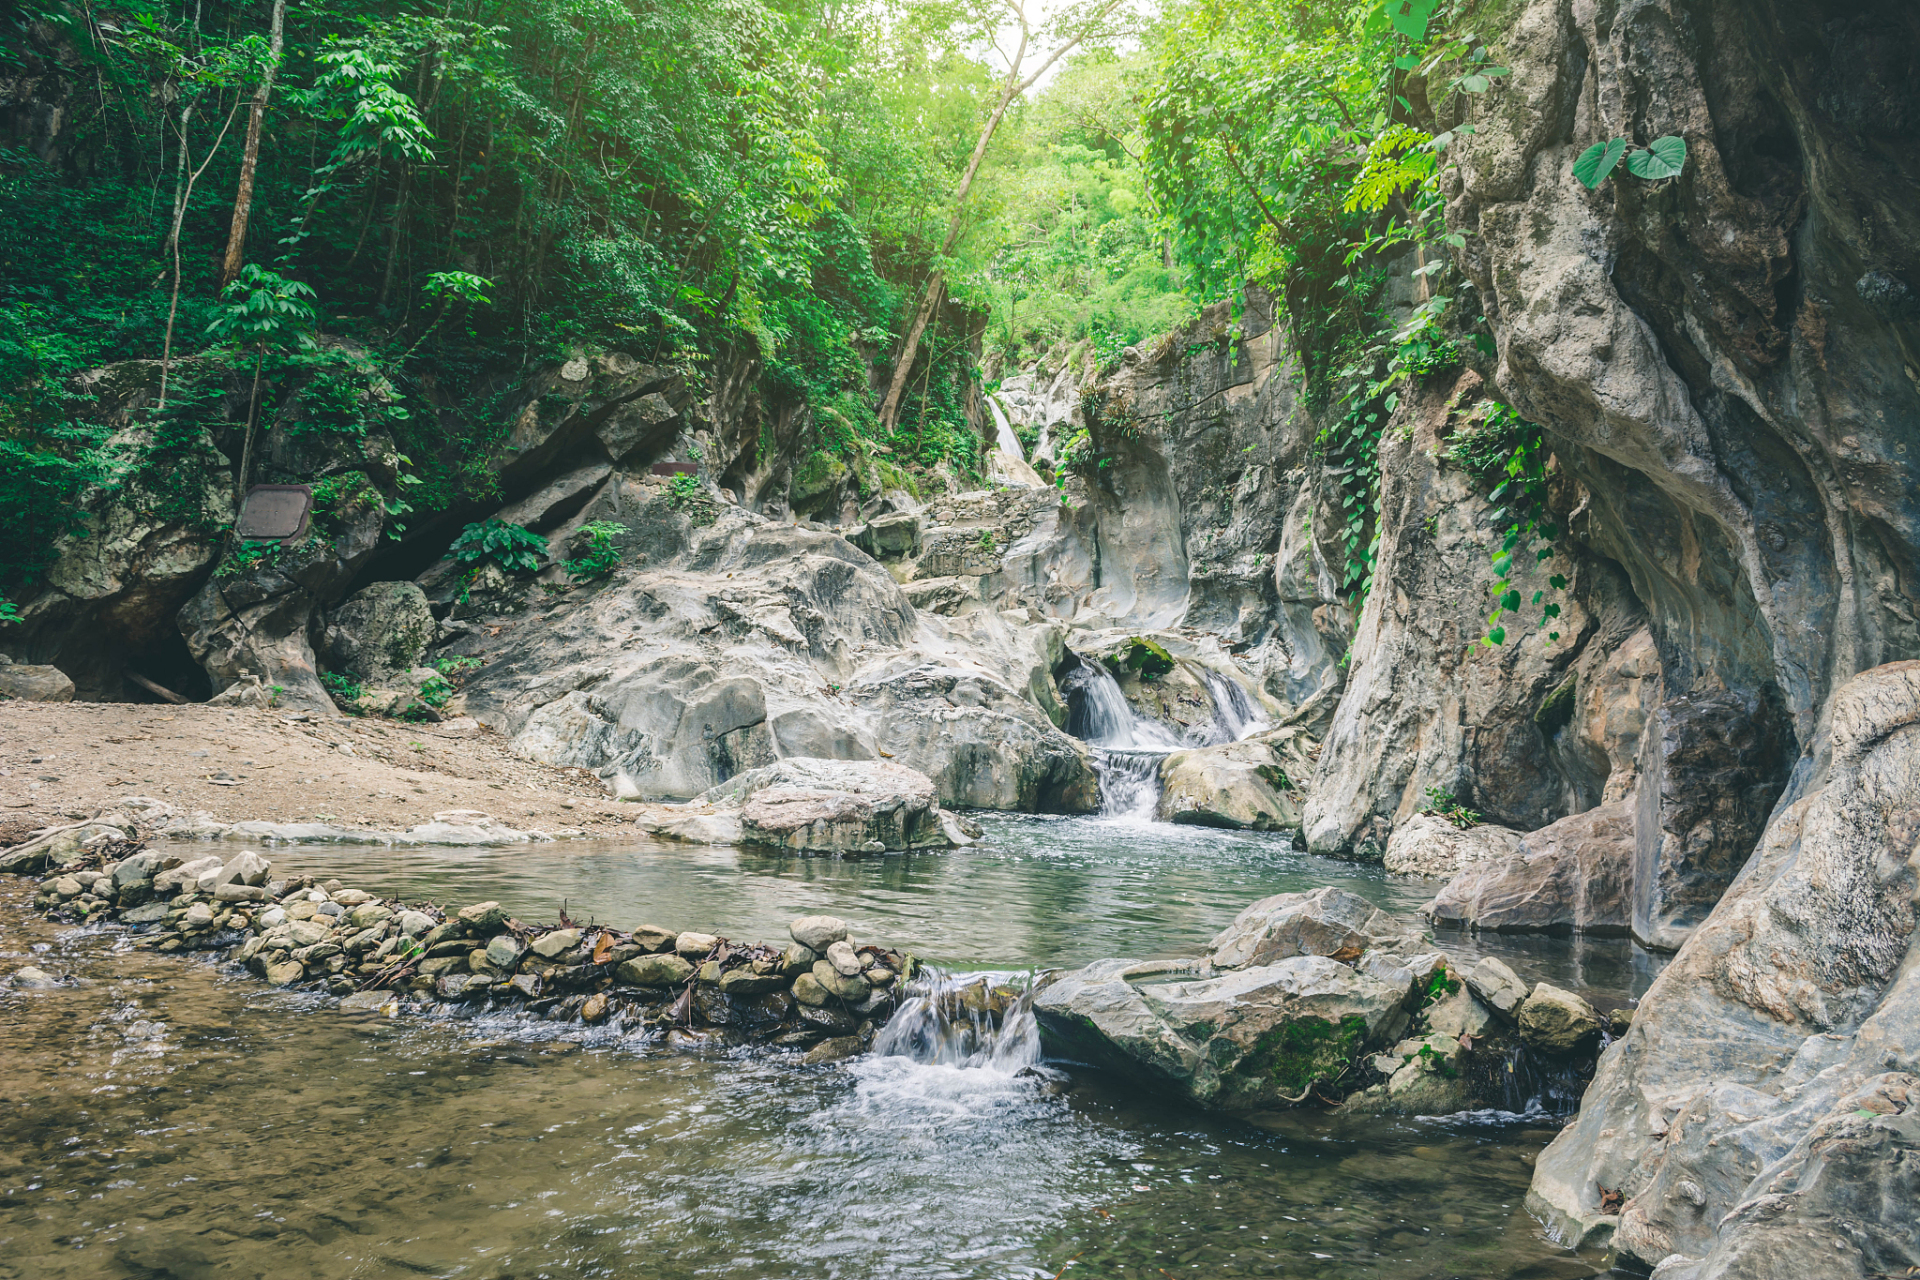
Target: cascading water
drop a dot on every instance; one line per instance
(969, 1021)
(1235, 714)
(1127, 750)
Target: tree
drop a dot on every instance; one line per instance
(250, 156)
(1012, 86)
(262, 309)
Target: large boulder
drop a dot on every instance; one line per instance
(816, 806)
(379, 631)
(1253, 1038)
(1723, 1116)
(1431, 846)
(1242, 785)
(1575, 875)
(34, 684)
(1324, 922)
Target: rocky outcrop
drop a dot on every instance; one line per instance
(1240, 785)
(379, 631)
(1432, 846)
(1324, 922)
(34, 684)
(817, 806)
(1715, 1117)
(1573, 876)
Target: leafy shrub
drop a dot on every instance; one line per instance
(247, 556)
(513, 547)
(686, 494)
(598, 556)
(1441, 803)
(344, 689)
(1146, 657)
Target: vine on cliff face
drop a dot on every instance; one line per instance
(1511, 453)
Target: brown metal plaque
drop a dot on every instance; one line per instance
(676, 468)
(274, 512)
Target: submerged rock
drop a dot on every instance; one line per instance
(816, 806)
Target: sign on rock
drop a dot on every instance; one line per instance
(274, 512)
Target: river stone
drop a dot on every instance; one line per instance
(1576, 874)
(1254, 1038)
(834, 1049)
(1459, 1014)
(1234, 785)
(843, 957)
(369, 1002)
(797, 957)
(434, 966)
(32, 979)
(594, 1008)
(68, 887)
(442, 933)
(1497, 985)
(34, 683)
(1428, 845)
(826, 1018)
(186, 874)
(198, 916)
(694, 945)
(808, 991)
(452, 986)
(1324, 922)
(834, 805)
(849, 987)
(524, 985)
(483, 918)
(239, 893)
(1556, 1021)
(816, 932)
(245, 867)
(665, 970)
(744, 982)
(503, 952)
(148, 913)
(550, 946)
(302, 910)
(415, 923)
(304, 933)
(651, 937)
(286, 973)
(369, 914)
(353, 897)
(137, 870)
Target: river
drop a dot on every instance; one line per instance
(174, 1118)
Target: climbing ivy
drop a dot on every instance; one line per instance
(1510, 452)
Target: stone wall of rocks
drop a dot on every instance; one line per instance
(821, 991)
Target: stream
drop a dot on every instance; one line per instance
(172, 1117)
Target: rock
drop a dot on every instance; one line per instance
(67, 887)
(198, 916)
(186, 875)
(653, 971)
(1324, 922)
(1574, 875)
(435, 966)
(834, 806)
(483, 918)
(797, 957)
(239, 893)
(35, 684)
(503, 952)
(847, 987)
(825, 1017)
(415, 923)
(817, 932)
(552, 945)
(834, 1049)
(245, 867)
(524, 985)
(1556, 1021)
(742, 982)
(1254, 1038)
(1458, 1014)
(136, 871)
(352, 897)
(286, 973)
(1497, 985)
(1240, 785)
(808, 991)
(652, 937)
(594, 1009)
(379, 632)
(29, 978)
(843, 958)
(370, 1002)
(147, 913)
(1430, 846)
(369, 914)
(694, 945)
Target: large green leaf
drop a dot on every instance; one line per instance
(1663, 158)
(1597, 161)
(1410, 17)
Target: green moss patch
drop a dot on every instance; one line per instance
(1298, 1052)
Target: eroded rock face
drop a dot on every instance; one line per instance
(379, 631)
(1253, 1038)
(1573, 876)
(1715, 1115)
(1429, 845)
(34, 684)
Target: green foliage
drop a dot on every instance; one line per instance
(1660, 159)
(1441, 803)
(9, 611)
(1509, 453)
(688, 496)
(1146, 658)
(456, 669)
(261, 309)
(513, 547)
(1301, 1052)
(344, 689)
(1440, 984)
(247, 556)
(598, 556)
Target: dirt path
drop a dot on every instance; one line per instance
(68, 760)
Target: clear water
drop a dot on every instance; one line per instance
(171, 1118)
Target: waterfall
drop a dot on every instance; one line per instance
(1004, 438)
(1127, 750)
(971, 1021)
(1235, 714)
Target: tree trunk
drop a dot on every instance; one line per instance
(936, 281)
(250, 158)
